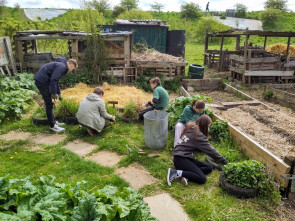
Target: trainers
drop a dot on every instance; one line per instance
(57, 129)
(183, 181)
(59, 124)
(91, 132)
(172, 175)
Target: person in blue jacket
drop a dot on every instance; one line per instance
(46, 80)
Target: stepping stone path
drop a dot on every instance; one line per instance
(48, 139)
(105, 158)
(165, 208)
(136, 175)
(15, 135)
(79, 147)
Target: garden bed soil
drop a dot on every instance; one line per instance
(286, 211)
(272, 130)
(219, 96)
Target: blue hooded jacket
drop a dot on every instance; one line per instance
(49, 74)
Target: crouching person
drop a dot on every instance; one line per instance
(92, 112)
(193, 139)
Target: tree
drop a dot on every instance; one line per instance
(276, 4)
(157, 6)
(240, 10)
(130, 4)
(270, 18)
(190, 11)
(118, 10)
(100, 5)
(2, 4)
(136, 14)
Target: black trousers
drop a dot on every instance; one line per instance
(46, 95)
(145, 111)
(193, 169)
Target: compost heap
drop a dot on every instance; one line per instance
(120, 93)
(281, 48)
(152, 55)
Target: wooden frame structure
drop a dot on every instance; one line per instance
(118, 43)
(11, 62)
(242, 64)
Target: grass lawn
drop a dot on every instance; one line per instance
(201, 202)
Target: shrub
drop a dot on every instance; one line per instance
(270, 18)
(118, 10)
(71, 79)
(130, 111)
(213, 25)
(47, 200)
(268, 94)
(223, 16)
(66, 108)
(276, 4)
(219, 130)
(253, 174)
(190, 11)
(136, 14)
(240, 10)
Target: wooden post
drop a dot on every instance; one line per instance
(265, 39)
(220, 55)
(206, 45)
(238, 42)
(288, 46)
(127, 51)
(10, 55)
(245, 56)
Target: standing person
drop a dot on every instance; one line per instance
(92, 113)
(160, 98)
(46, 81)
(189, 114)
(193, 138)
(207, 7)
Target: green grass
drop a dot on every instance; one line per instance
(201, 202)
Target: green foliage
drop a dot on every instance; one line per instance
(190, 11)
(253, 15)
(268, 94)
(66, 108)
(16, 94)
(223, 16)
(240, 10)
(9, 26)
(129, 4)
(136, 14)
(48, 200)
(219, 130)
(100, 5)
(71, 79)
(213, 25)
(253, 174)
(276, 4)
(176, 107)
(157, 7)
(118, 10)
(130, 111)
(270, 18)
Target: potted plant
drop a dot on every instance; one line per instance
(249, 179)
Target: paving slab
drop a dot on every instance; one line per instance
(165, 208)
(136, 175)
(80, 147)
(48, 139)
(105, 158)
(15, 135)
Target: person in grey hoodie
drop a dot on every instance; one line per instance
(193, 139)
(92, 113)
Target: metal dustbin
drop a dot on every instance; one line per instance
(156, 129)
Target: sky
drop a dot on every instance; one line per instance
(170, 5)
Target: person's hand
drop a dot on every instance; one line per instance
(113, 118)
(148, 104)
(60, 97)
(54, 96)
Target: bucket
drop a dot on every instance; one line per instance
(156, 129)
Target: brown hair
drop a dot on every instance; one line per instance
(98, 90)
(200, 104)
(73, 62)
(200, 125)
(155, 80)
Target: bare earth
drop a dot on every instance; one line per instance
(218, 96)
(15, 135)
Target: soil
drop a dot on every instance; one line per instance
(218, 96)
(170, 209)
(286, 211)
(136, 175)
(48, 139)
(15, 135)
(79, 147)
(105, 158)
(260, 124)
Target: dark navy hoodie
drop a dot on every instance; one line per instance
(49, 74)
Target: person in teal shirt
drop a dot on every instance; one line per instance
(160, 98)
(189, 114)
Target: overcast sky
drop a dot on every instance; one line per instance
(170, 5)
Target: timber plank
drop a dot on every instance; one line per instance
(269, 73)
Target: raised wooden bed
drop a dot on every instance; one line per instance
(283, 97)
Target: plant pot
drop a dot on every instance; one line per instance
(127, 120)
(37, 120)
(239, 192)
(214, 164)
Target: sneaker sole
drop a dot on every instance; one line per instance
(183, 182)
(169, 183)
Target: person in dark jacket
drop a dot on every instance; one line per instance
(46, 80)
(194, 138)
(160, 98)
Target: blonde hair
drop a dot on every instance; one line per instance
(155, 80)
(73, 62)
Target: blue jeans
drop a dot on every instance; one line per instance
(46, 95)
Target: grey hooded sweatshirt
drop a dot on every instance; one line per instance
(187, 146)
(92, 112)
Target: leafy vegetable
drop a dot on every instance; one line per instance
(47, 200)
(219, 130)
(176, 107)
